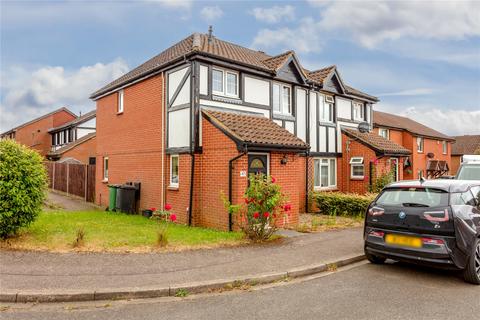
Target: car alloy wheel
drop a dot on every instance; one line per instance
(477, 259)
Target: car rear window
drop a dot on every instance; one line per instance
(469, 172)
(421, 197)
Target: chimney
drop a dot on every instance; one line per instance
(210, 34)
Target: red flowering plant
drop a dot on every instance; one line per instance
(163, 215)
(264, 206)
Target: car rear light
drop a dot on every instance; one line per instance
(437, 242)
(436, 216)
(376, 211)
(378, 234)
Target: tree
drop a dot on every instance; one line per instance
(23, 184)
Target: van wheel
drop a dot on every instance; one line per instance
(472, 271)
(374, 259)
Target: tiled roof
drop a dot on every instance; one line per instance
(83, 118)
(72, 144)
(468, 144)
(377, 142)
(359, 93)
(254, 130)
(383, 119)
(39, 118)
(200, 43)
(320, 75)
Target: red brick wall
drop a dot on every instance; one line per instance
(179, 197)
(381, 165)
(36, 136)
(419, 160)
(455, 164)
(82, 151)
(132, 141)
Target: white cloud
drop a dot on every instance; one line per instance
(452, 122)
(301, 38)
(274, 14)
(211, 13)
(181, 4)
(27, 94)
(408, 92)
(373, 22)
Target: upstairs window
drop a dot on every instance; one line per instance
(384, 133)
(357, 168)
(326, 110)
(120, 101)
(358, 111)
(444, 147)
(225, 83)
(419, 144)
(282, 99)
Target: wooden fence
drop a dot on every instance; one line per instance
(73, 179)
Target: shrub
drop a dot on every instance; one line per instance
(80, 238)
(335, 203)
(264, 207)
(23, 182)
(381, 181)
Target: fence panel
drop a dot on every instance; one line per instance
(76, 179)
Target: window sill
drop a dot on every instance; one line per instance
(357, 178)
(325, 188)
(172, 188)
(105, 181)
(283, 116)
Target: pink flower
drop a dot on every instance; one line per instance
(375, 161)
(153, 209)
(287, 207)
(266, 214)
(256, 215)
(173, 217)
(168, 206)
(273, 179)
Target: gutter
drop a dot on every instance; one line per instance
(230, 182)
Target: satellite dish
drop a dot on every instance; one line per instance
(364, 127)
(430, 155)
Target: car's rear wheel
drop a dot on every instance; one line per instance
(472, 271)
(373, 258)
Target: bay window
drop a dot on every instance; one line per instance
(325, 173)
(282, 99)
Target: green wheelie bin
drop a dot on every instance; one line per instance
(112, 190)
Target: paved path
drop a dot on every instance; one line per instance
(34, 271)
(370, 292)
(66, 203)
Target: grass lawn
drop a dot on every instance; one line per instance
(320, 222)
(105, 231)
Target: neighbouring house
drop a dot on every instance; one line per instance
(34, 134)
(191, 123)
(464, 145)
(430, 150)
(75, 141)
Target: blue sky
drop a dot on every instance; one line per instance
(421, 58)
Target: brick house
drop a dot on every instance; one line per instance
(193, 121)
(74, 141)
(430, 149)
(34, 134)
(463, 145)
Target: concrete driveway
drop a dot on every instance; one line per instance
(57, 201)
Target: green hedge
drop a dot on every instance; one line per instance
(336, 203)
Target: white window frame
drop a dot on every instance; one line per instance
(444, 147)
(105, 168)
(171, 183)
(361, 107)
(330, 185)
(224, 91)
(421, 146)
(387, 131)
(284, 110)
(121, 101)
(357, 162)
(330, 106)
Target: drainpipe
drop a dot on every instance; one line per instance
(193, 86)
(306, 180)
(230, 187)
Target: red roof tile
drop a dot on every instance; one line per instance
(377, 142)
(468, 144)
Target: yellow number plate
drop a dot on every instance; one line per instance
(403, 241)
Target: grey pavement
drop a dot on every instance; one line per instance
(67, 203)
(391, 291)
(46, 272)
